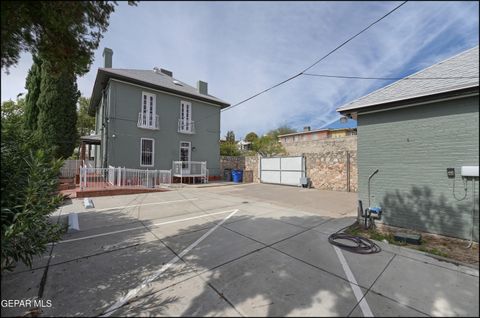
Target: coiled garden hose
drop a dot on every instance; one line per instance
(361, 245)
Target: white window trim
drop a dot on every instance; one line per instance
(154, 110)
(153, 152)
(189, 150)
(182, 102)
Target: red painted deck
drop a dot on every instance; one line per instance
(107, 191)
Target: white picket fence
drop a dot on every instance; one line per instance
(118, 177)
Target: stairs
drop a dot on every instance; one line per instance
(66, 183)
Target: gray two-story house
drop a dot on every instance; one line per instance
(147, 119)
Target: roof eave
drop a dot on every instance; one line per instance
(104, 73)
(458, 93)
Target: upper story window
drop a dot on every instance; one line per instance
(148, 118)
(185, 123)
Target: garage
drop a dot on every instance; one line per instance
(282, 170)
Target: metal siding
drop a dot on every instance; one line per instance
(412, 148)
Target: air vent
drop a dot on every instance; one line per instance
(177, 83)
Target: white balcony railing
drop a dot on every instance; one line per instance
(147, 123)
(186, 126)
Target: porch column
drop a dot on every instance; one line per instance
(82, 152)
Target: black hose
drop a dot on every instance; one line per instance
(361, 245)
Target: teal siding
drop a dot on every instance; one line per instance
(124, 150)
(412, 148)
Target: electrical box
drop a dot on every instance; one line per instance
(451, 172)
(469, 171)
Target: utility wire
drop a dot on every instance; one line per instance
(391, 78)
(317, 61)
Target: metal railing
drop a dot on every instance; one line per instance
(186, 126)
(190, 169)
(70, 168)
(147, 123)
(111, 177)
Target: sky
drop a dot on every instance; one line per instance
(241, 48)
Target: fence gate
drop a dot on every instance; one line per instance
(282, 170)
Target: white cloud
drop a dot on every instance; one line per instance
(243, 48)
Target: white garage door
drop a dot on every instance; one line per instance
(282, 170)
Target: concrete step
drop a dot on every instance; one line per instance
(66, 186)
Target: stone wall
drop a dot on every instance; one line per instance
(332, 170)
(249, 165)
(347, 143)
(252, 164)
(331, 167)
(326, 162)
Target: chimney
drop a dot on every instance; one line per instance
(202, 87)
(166, 72)
(306, 128)
(107, 55)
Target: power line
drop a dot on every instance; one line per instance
(317, 61)
(391, 78)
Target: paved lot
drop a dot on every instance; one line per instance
(249, 250)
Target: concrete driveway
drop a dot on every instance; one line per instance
(248, 250)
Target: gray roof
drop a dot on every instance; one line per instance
(464, 64)
(150, 79)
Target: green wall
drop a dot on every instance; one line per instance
(124, 150)
(412, 148)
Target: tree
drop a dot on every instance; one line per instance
(13, 112)
(229, 149)
(251, 137)
(64, 32)
(230, 137)
(85, 122)
(282, 130)
(267, 146)
(57, 116)
(33, 87)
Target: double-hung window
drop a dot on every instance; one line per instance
(147, 152)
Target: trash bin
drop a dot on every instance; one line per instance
(227, 174)
(237, 176)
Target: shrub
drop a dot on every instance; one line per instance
(29, 182)
(229, 149)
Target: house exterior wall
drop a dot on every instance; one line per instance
(338, 133)
(124, 105)
(412, 148)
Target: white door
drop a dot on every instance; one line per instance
(185, 116)
(185, 156)
(282, 170)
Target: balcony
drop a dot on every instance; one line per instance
(186, 126)
(148, 123)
